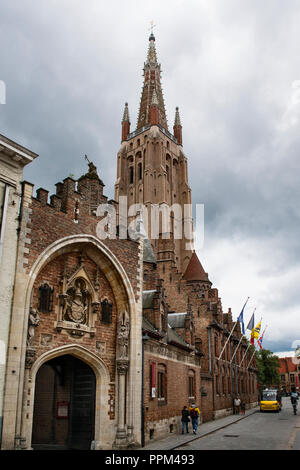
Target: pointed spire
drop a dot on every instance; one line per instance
(125, 123)
(152, 82)
(177, 117)
(152, 56)
(177, 127)
(126, 114)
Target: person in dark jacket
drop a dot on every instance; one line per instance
(185, 419)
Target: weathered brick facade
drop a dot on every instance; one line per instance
(93, 288)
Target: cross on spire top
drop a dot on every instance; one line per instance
(152, 38)
(152, 26)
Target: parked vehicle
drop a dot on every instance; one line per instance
(270, 401)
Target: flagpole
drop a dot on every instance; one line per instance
(227, 341)
(251, 358)
(223, 349)
(236, 348)
(244, 355)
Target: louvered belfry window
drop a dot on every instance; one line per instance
(45, 298)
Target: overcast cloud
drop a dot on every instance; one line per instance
(232, 67)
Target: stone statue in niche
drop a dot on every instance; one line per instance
(123, 328)
(76, 304)
(33, 322)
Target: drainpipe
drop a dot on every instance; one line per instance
(145, 338)
(232, 382)
(236, 376)
(209, 348)
(211, 369)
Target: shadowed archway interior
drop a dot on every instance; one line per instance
(64, 406)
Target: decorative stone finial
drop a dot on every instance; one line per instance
(177, 117)
(126, 114)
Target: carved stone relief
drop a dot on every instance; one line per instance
(101, 346)
(46, 339)
(78, 303)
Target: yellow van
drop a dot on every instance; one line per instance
(269, 401)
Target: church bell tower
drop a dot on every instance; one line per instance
(152, 171)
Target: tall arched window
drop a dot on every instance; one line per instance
(140, 172)
(131, 175)
(168, 172)
(191, 384)
(216, 346)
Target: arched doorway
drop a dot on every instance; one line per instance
(64, 405)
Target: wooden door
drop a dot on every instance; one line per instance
(82, 406)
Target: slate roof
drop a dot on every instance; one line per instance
(176, 320)
(148, 254)
(148, 296)
(176, 338)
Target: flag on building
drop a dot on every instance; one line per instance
(256, 330)
(241, 317)
(260, 340)
(250, 325)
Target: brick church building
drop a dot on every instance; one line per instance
(111, 336)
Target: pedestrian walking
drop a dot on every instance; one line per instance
(294, 400)
(243, 407)
(278, 398)
(237, 404)
(194, 414)
(185, 419)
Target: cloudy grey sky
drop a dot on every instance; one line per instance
(232, 67)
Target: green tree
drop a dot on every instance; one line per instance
(267, 365)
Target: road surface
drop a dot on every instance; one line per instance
(259, 431)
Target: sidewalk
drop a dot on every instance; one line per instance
(175, 440)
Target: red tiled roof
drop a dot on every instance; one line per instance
(195, 271)
(287, 365)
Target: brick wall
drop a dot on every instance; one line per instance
(163, 416)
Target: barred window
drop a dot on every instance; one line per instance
(191, 384)
(161, 383)
(45, 298)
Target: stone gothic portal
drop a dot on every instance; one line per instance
(64, 405)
